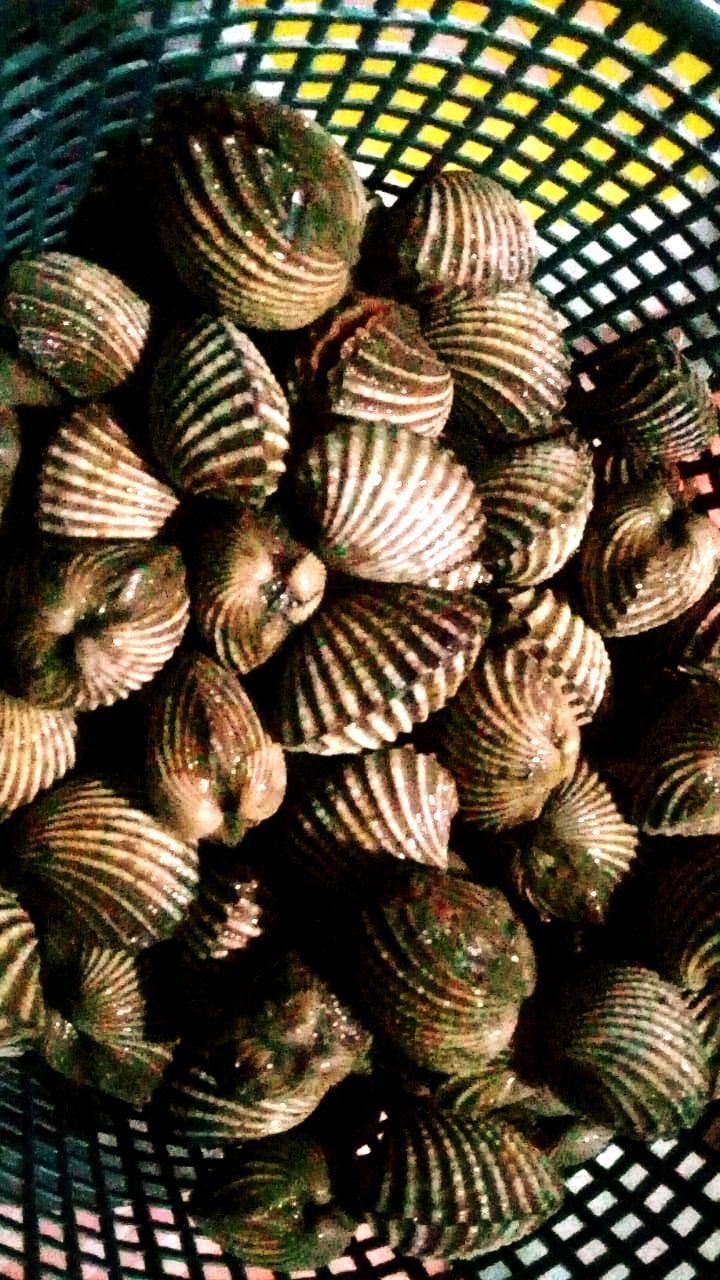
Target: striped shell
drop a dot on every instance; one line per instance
(390, 506)
(258, 207)
(571, 859)
(78, 323)
(129, 1071)
(701, 647)
(626, 1049)
(37, 747)
(86, 854)
(443, 966)
(218, 418)
(492, 1085)
(705, 1007)
(107, 1000)
(252, 584)
(22, 1005)
(676, 773)
(508, 360)
(225, 917)
(509, 738)
(370, 665)
(212, 771)
(536, 500)
(643, 562)
(94, 483)
(22, 384)
(9, 451)
(683, 915)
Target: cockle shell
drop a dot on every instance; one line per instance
(509, 738)
(252, 584)
(369, 665)
(258, 207)
(508, 360)
(22, 1004)
(705, 1008)
(78, 323)
(212, 770)
(88, 626)
(225, 916)
(22, 384)
(88, 855)
(107, 1001)
(676, 773)
(536, 499)
(9, 452)
(131, 1071)
(625, 1048)
(492, 1085)
(37, 747)
(218, 419)
(683, 918)
(94, 483)
(443, 966)
(389, 505)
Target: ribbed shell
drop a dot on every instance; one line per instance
(129, 1071)
(370, 665)
(390, 506)
(508, 360)
(9, 450)
(628, 1051)
(212, 770)
(705, 1007)
(643, 562)
(683, 913)
(443, 966)
(252, 584)
(94, 483)
(676, 775)
(218, 418)
(22, 1004)
(77, 322)
(108, 1001)
(701, 652)
(37, 748)
(572, 858)
(258, 207)
(224, 918)
(492, 1085)
(509, 738)
(536, 500)
(22, 384)
(88, 853)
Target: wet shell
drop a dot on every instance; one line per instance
(37, 748)
(78, 323)
(87, 854)
(108, 1001)
(9, 452)
(22, 1006)
(509, 738)
(94, 483)
(212, 770)
(571, 860)
(224, 918)
(258, 207)
(676, 774)
(252, 584)
(626, 1049)
(218, 418)
(129, 1071)
(370, 665)
(508, 361)
(644, 562)
(683, 915)
(492, 1085)
(536, 500)
(390, 506)
(443, 966)
(22, 384)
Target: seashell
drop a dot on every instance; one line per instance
(218, 419)
(129, 1071)
(676, 773)
(22, 384)
(22, 1005)
(212, 771)
(259, 209)
(94, 483)
(572, 858)
(625, 1048)
(370, 665)
(88, 626)
(252, 584)
(508, 360)
(492, 1085)
(683, 918)
(536, 500)
(644, 562)
(581, 1141)
(272, 1204)
(390, 506)
(443, 966)
(224, 918)
(14, 1039)
(89, 855)
(9, 451)
(37, 747)
(701, 648)
(509, 738)
(78, 323)
(107, 1002)
(705, 1008)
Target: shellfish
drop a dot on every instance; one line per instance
(22, 1004)
(37, 747)
(130, 1071)
(225, 916)
(676, 776)
(683, 918)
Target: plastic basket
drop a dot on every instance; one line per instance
(605, 119)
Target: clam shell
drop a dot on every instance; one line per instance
(218, 419)
(129, 1071)
(9, 451)
(258, 207)
(22, 1005)
(508, 360)
(94, 483)
(252, 584)
(370, 665)
(88, 854)
(37, 747)
(390, 506)
(705, 1007)
(683, 915)
(79, 324)
(509, 738)
(107, 1002)
(212, 770)
(492, 1085)
(536, 500)
(676, 774)
(224, 918)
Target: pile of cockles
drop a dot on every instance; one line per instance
(360, 701)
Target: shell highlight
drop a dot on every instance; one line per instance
(37, 747)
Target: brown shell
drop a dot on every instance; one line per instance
(22, 1004)
(107, 1001)
(676, 773)
(130, 1071)
(226, 915)
(683, 915)
(37, 747)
